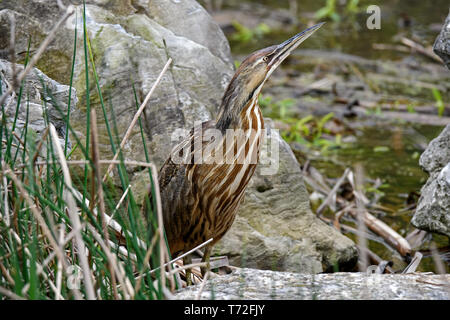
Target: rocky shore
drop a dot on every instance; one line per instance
(252, 284)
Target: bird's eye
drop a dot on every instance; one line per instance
(266, 59)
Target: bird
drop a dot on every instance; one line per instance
(200, 199)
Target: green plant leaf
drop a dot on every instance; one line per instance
(439, 103)
(381, 149)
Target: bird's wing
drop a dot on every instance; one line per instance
(169, 169)
(176, 192)
(174, 187)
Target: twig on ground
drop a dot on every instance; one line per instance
(390, 47)
(317, 182)
(386, 232)
(376, 225)
(339, 214)
(421, 49)
(332, 195)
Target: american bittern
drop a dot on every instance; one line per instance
(200, 198)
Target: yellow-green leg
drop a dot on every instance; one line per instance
(206, 257)
(186, 261)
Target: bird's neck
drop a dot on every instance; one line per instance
(236, 108)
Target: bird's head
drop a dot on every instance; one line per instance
(253, 72)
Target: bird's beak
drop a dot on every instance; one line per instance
(283, 50)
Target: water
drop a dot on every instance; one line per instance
(391, 154)
(414, 19)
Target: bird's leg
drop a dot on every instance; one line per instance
(205, 258)
(186, 261)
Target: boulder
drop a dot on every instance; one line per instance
(251, 284)
(442, 43)
(40, 94)
(433, 208)
(131, 42)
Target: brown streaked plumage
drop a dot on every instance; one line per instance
(200, 200)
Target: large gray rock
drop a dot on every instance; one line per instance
(442, 44)
(131, 42)
(433, 209)
(40, 95)
(251, 284)
(202, 29)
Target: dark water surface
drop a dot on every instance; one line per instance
(415, 19)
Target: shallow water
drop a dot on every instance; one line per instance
(390, 153)
(416, 19)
